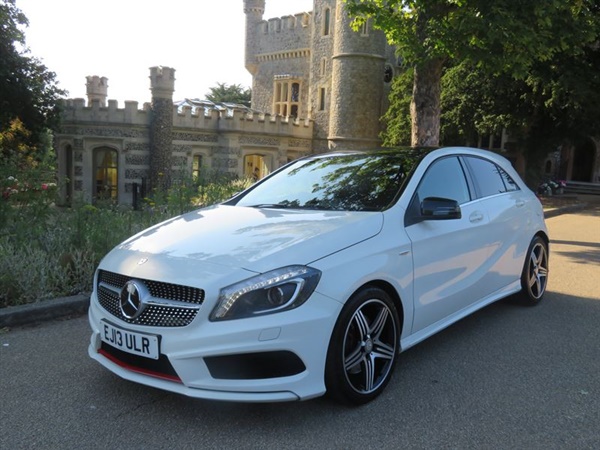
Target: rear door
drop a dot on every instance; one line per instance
(506, 206)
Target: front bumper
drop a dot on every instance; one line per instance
(203, 355)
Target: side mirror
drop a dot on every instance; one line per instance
(436, 208)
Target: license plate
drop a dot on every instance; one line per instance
(141, 344)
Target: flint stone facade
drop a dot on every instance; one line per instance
(316, 85)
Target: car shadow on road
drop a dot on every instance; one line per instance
(589, 256)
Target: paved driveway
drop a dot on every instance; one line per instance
(506, 377)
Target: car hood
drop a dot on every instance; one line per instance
(254, 239)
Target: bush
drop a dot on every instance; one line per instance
(47, 251)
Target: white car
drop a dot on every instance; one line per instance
(317, 277)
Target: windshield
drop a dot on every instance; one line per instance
(339, 182)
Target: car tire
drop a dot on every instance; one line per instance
(534, 278)
(364, 347)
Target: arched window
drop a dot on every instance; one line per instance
(326, 21)
(364, 29)
(106, 173)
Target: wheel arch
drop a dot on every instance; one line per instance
(391, 291)
(544, 236)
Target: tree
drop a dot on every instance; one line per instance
(235, 93)
(28, 90)
(477, 104)
(500, 36)
(556, 103)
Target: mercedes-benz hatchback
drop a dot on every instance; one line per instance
(316, 278)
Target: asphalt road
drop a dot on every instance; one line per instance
(507, 377)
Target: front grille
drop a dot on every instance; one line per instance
(187, 299)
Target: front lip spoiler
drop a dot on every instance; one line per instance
(139, 370)
(206, 394)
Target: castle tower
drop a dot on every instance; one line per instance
(254, 10)
(96, 89)
(357, 87)
(162, 86)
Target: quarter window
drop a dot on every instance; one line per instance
(490, 179)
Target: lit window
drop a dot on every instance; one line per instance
(106, 170)
(196, 167)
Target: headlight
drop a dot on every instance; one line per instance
(271, 292)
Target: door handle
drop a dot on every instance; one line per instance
(520, 203)
(476, 217)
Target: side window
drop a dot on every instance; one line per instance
(445, 178)
(488, 177)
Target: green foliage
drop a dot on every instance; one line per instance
(397, 117)
(28, 90)
(504, 38)
(476, 103)
(556, 103)
(46, 252)
(234, 93)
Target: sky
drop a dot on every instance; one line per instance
(203, 40)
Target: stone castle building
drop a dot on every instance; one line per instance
(317, 84)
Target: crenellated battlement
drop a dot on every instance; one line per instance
(232, 120)
(186, 117)
(281, 24)
(281, 34)
(76, 110)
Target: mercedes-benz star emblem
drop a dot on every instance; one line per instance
(132, 299)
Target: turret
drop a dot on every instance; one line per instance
(254, 10)
(356, 84)
(96, 89)
(162, 85)
(162, 82)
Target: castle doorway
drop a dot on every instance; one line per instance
(583, 161)
(256, 166)
(106, 174)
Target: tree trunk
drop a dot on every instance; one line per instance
(425, 104)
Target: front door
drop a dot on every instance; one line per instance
(449, 256)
